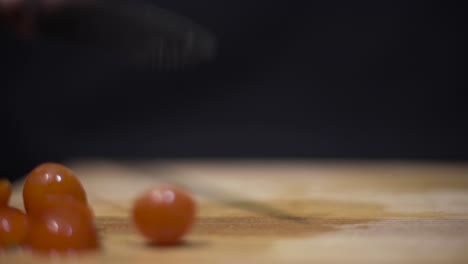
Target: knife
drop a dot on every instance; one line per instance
(218, 194)
(134, 32)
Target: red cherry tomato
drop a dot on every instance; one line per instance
(14, 226)
(5, 192)
(62, 230)
(47, 179)
(164, 215)
(51, 201)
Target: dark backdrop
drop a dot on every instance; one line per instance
(298, 79)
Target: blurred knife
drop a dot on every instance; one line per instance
(130, 31)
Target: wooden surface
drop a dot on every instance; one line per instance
(285, 212)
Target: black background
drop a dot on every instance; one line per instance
(298, 79)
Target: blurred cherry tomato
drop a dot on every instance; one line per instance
(164, 214)
(51, 201)
(62, 230)
(14, 226)
(5, 192)
(51, 179)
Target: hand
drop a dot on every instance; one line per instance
(13, 15)
(9, 6)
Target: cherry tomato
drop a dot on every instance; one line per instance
(14, 226)
(164, 214)
(51, 178)
(5, 192)
(62, 230)
(51, 201)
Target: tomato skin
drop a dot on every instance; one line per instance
(163, 215)
(5, 192)
(52, 201)
(14, 227)
(62, 230)
(47, 179)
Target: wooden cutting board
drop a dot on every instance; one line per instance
(284, 212)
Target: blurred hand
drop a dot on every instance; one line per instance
(12, 6)
(13, 15)
(8, 6)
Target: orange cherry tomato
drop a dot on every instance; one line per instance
(62, 230)
(14, 226)
(5, 192)
(51, 178)
(51, 201)
(164, 215)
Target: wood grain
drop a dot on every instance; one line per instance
(284, 212)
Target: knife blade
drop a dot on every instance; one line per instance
(134, 32)
(218, 194)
